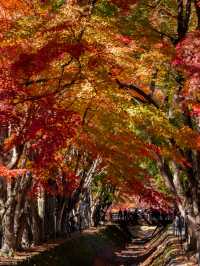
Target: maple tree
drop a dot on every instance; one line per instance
(35, 125)
(170, 88)
(38, 124)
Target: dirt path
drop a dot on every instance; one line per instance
(97, 248)
(131, 255)
(144, 250)
(77, 250)
(133, 252)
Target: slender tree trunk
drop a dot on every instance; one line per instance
(36, 223)
(9, 237)
(60, 219)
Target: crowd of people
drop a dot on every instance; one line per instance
(133, 216)
(155, 217)
(125, 215)
(136, 215)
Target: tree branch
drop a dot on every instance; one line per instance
(183, 20)
(135, 88)
(197, 7)
(163, 34)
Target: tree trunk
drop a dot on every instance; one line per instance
(9, 237)
(36, 224)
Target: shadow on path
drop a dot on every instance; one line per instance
(133, 253)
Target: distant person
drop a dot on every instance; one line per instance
(110, 216)
(80, 223)
(68, 227)
(179, 226)
(128, 215)
(135, 216)
(72, 224)
(175, 227)
(120, 215)
(125, 215)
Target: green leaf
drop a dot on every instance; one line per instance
(57, 4)
(105, 9)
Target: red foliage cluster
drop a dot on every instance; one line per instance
(156, 199)
(62, 185)
(8, 87)
(6, 173)
(124, 5)
(195, 110)
(147, 196)
(33, 63)
(48, 131)
(39, 124)
(187, 53)
(188, 59)
(124, 39)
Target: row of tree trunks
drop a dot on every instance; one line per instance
(32, 220)
(14, 211)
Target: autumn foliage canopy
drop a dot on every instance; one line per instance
(80, 73)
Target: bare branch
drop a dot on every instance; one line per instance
(135, 88)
